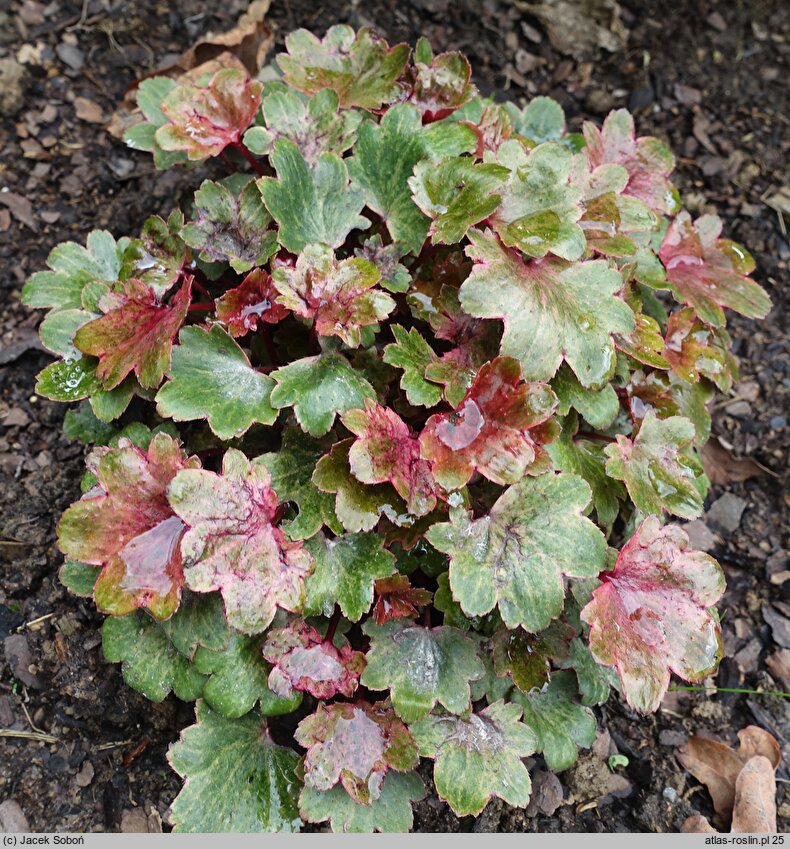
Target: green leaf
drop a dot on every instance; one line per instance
(79, 578)
(413, 354)
(527, 658)
(456, 193)
(58, 329)
(292, 469)
(72, 268)
(149, 661)
(346, 569)
(478, 757)
(598, 407)
(198, 622)
(229, 228)
(357, 505)
(313, 124)
(83, 425)
(541, 120)
(211, 378)
(595, 681)
(318, 388)
(552, 310)
(311, 204)
(420, 667)
(257, 790)
(516, 556)
(561, 725)
(69, 380)
(239, 679)
(384, 158)
(540, 206)
(656, 472)
(360, 68)
(142, 136)
(390, 813)
(586, 458)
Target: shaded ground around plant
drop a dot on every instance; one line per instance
(708, 77)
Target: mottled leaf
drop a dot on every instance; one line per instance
(397, 599)
(346, 569)
(232, 546)
(478, 757)
(259, 784)
(211, 378)
(595, 681)
(695, 349)
(158, 256)
(318, 388)
(149, 661)
(395, 277)
(303, 660)
(360, 68)
(79, 578)
(490, 431)
(442, 83)
(355, 744)
(541, 120)
(337, 296)
(515, 557)
(656, 472)
(560, 724)
(651, 615)
(709, 273)
(311, 203)
(203, 121)
(135, 334)
(229, 228)
(420, 667)
(527, 658)
(413, 354)
(385, 451)
(142, 136)
(126, 526)
(456, 193)
(198, 622)
(390, 813)
(552, 310)
(313, 124)
(250, 304)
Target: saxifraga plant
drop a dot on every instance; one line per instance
(366, 420)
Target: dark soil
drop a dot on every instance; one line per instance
(710, 77)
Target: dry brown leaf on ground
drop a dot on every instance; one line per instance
(755, 798)
(722, 468)
(697, 824)
(718, 765)
(245, 46)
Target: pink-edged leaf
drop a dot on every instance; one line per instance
(135, 335)
(303, 660)
(232, 546)
(355, 744)
(126, 525)
(339, 296)
(709, 273)
(695, 349)
(651, 615)
(242, 308)
(385, 451)
(397, 599)
(490, 430)
(647, 160)
(202, 122)
(441, 84)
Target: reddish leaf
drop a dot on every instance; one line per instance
(338, 295)
(355, 744)
(650, 617)
(232, 545)
(252, 301)
(136, 334)
(695, 349)
(303, 660)
(709, 273)
(126, 526)
(385, 451)
(397, 599)
(490, 430)
(442, 83)
(202, 122)
(647, 160)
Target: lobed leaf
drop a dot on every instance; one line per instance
(413, 354)
(397, 599)
(695, 349)
(442, 83)
(250, 304)
(651, 615)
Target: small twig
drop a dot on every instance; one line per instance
(103, 747)
(40, 736)
(38, 621)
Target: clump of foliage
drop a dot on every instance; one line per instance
(368, 419)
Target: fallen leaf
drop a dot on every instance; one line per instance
(755, 798)
(697, 824)
(722, 468)
(718, 765)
